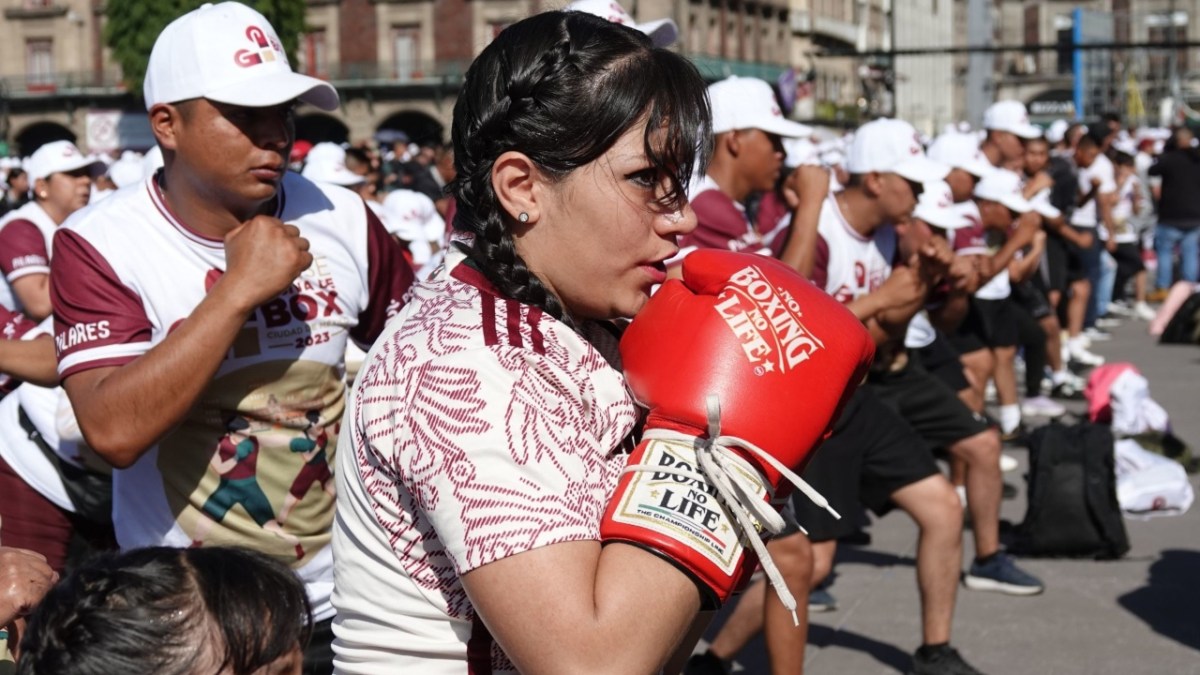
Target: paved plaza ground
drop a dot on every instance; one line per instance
(1137, 615)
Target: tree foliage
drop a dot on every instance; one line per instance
(133, 25)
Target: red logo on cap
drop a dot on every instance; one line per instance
(267, 48)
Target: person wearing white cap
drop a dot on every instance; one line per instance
(961, 152)
(662, 32)
(748, 152)
(1007, 126)
(60, 178)
(202, 319)
(852, 260)
(413, 219)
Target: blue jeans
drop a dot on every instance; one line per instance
(1166, 238)
(1103, 291)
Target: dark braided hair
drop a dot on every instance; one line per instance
(169, 612)
(562, 88)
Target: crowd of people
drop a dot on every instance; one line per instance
(627, 335)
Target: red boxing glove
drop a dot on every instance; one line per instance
(781, 357)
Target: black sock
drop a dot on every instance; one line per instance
(929, 651)
(986, 559)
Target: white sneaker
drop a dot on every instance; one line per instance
(1007, 463)
(1120, 308)
(1107, 322)
(1040, 406)
(1081, 355)
(1144, 312)
(1095, 334)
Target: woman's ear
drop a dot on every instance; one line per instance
(517, 183)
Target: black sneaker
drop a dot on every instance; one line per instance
(943, 660)
(821, 600)
(1066, 392)
(704, 664)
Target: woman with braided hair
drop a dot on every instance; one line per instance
(491, 421)
(502, 505)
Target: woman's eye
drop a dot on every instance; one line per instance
(646, 179)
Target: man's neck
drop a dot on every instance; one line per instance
(860, 211)
(992, 152)
(725, 175)
(203, 210)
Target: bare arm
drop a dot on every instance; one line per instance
(33, 291)
(577, 607)
(1024, 268)
(810, 186)
(124, 410)
(30, 360)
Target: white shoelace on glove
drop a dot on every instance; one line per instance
(719, 466)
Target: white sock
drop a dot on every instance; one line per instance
(1077, 342)
(962, 494)
(1010, 417)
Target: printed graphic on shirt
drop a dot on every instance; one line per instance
(218, 489)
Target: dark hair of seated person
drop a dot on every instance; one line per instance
(169, 612)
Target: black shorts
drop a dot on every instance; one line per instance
(928, 405)
(1064, 263)
(1030, 297)
(991, 322)
(872, 453)
(1129, 259)
(940, 359)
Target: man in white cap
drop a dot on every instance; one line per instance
(202, 321)
(1007, 125)
(748, 152)
(662, 32)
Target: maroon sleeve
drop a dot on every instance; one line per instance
(24, 250)
(389, 277)
(718, 222)
(92, 308)
(820, 270)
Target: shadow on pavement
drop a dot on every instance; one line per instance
(866, 556)
(888, 655)
(1168, 601)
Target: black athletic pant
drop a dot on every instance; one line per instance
(1032, 339)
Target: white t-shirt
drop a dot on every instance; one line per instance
(1102, 168)
(262, 438)
(480, 428)
(847, 264)
(1123, 212)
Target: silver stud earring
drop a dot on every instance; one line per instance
(523, 217)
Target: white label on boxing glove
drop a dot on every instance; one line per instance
(682, 508)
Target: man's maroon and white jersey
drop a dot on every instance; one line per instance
(127, 271)
(973, 240)
(25, 240)
(479, 428)
(849, 265)
(721, 223)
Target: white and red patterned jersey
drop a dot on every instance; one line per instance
(479, 428)
(127, 271)
(973, 240)
(847, 264)
(25, 241)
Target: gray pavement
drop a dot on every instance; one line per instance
(1140, 614)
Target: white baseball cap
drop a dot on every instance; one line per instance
(748, 103)
(412, 216)
(227, 53)
(662, 32)
(936, 207)
(1012, 117)
(59, 157)
(960, 151)
(892, 146)
(325, 151)
(1003, 186)
(332, 171)
(799, 151)
(1041, 204)
(127, 171)
(1057, 130)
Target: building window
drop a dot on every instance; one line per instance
(39, 63)
(312, 54)
(406, 52)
